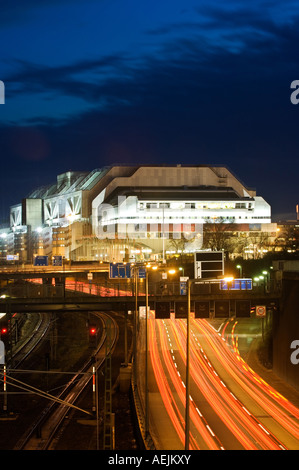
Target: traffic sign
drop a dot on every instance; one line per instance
(142, 273)
(183, 285)
(12, 257)
(119, 270)
(208, 264)
(260, 310)
(57, 260)
(125, 271)
(236, 284)
(40, 260)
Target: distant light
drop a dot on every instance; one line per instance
(92, 330)
(172, 271)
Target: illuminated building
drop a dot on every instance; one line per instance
(126, 212)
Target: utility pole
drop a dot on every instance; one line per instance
(108, 440)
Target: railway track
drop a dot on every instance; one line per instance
(22, 350)
(42, 432)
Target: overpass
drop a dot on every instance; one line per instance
(166, 299)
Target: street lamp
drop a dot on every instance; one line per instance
(240, 269)
(135, 268)
(266, 274)
(136, 271)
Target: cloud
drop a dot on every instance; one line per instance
(19, 11)
(213, 90)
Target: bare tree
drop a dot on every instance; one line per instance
(217, 234)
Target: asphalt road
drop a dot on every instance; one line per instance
(231, 406)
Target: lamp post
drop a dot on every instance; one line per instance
(240, 269)
(266, 274)
(135, 270)
(187, 407)
(170, 271)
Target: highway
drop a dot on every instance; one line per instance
(231, 407)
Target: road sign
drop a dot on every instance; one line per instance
(236, 284)
(142, 273)
(183, 285)
(57, 260)
(119, 271)
(162, 310)
(260, 310)
(208, 264)
(142, 312)
(40, 260)
(125, 271)
(12, 257)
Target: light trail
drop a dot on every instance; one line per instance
(244, 429)
(172, 388)
(170, 405)
(276, 406)
(237, 418)
(196, 416)
(280, 399)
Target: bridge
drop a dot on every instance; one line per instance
(44, 292)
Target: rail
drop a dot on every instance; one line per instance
(54, 414)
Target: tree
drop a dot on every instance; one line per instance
(218, 235)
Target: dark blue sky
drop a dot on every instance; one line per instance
(96, 82)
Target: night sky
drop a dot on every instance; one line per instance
(97, 82)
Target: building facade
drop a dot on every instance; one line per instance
(130, 212)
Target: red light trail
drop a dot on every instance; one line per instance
(241, 411)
